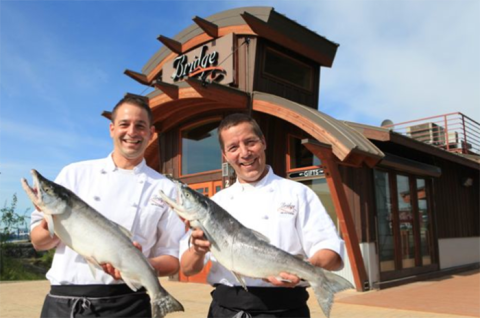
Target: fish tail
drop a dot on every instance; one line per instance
(164, 305)
(325, 286)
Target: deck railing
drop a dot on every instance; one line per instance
(452, 132)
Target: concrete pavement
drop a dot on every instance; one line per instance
(455, 296)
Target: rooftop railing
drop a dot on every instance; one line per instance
(452, 132)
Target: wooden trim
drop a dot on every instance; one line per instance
(339, 198)
(169, 89)
(173, 45)
(139, 77)
(210, 28)
(410, 166)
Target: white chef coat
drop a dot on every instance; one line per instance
(287, 212)
(123, 196)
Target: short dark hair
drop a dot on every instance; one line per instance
(235, 119)
(137, 100)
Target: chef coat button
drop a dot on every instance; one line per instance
(96, 198)
(141, 181)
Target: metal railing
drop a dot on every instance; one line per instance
(452, 132)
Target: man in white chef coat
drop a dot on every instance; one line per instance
(287, 212)
(119, 187)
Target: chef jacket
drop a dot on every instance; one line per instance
(287, 212)
(123, 196)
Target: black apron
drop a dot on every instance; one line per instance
(75, 301)
(258, 302)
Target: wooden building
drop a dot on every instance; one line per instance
(398, 203)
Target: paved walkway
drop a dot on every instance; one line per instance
(456, 296)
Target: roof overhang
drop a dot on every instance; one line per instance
(347, 144)
(387, 135)
(262, 22)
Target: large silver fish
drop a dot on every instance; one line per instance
(247, 253)
(98, 240)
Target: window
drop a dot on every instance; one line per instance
(386, 241)
(287, 69)
(200, 148)
(300, 156)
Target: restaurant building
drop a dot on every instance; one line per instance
(407, 209)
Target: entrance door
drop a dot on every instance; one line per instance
(208, 189)
(403, 225)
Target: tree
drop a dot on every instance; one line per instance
(9, 221)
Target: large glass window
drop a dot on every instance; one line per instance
(200, 148)
(288, 69)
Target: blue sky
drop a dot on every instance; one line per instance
(62, 63)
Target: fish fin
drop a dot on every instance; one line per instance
(51, 227)
(133, 284)
(325, 286)
(260, 236)
(240, 280)
(93, 265)
(164, 305)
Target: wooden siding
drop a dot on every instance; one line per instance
(358, 184)
(456, 207)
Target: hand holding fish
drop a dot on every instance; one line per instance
(112, 271)
(283, 280)
(200, 244)
(42, 239)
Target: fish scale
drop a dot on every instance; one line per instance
(247, 253)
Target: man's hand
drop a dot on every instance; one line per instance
(112, 271)
(284, 280)
(199, 243)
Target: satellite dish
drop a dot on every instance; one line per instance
(386, 122)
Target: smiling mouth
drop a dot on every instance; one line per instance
(248, 164)
(133, 142)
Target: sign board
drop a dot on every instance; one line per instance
(212, 62)
(306, 174)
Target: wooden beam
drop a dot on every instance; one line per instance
(170, 89)
(210, 28)
(219, 93)
(172, 44)
(264, 30)
(337, 191)
(107, 114)
(139, 77)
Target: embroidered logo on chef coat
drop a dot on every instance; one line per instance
(157, 201)
(287, 208)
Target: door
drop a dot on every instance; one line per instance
(404, 233)
(208, 189)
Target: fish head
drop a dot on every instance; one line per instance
(191, 200)
(46, 195)
(189, 204)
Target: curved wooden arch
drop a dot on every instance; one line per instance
(349, 146)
